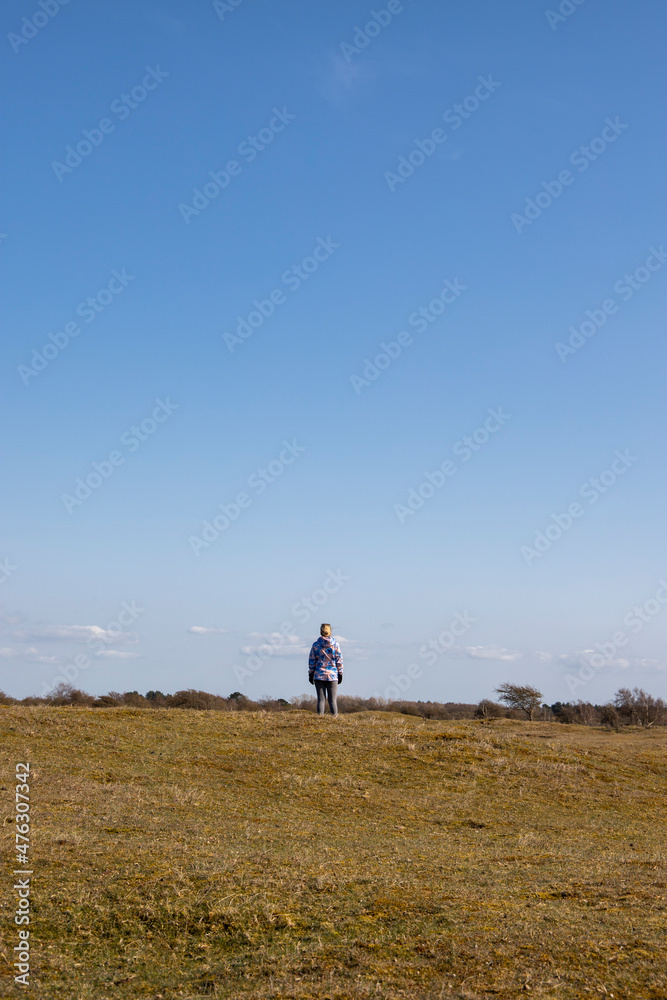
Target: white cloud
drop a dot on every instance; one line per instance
(33, 654)
(201, 630)
(360, 649)
(116, 654)
(79, 633)
(276, 644)
(357, 649)
(275, 636)
(492, 653)
(29, 653)
(650, 664)
(582, 658)
(74, 633)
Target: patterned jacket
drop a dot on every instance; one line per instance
(326, 659)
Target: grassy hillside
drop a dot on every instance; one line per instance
(183, 854)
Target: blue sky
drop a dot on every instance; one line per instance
(157, 97)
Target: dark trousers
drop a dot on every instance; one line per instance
(326, 690)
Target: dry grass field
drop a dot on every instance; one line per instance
(183, 854)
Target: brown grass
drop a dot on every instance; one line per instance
(183, 854)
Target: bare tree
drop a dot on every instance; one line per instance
(527, 699)
(609, 716)
(488, 709)
(587, 713)
(639, 708)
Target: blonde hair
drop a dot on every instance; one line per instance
(325, 629)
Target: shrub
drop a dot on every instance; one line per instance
(273, 704)
(581, 714)
(197, 699)
(65, 694)
(609, 716)
(135, 700)
(490, 710)
(305, 702)
(157, 699)
(349, 704)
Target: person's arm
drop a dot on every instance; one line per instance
(339, 662)
(312, 663)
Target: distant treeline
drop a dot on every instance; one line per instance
(628, 708)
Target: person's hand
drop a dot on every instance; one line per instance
(340, 677)
(311, 678)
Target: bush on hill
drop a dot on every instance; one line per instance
(629, 708)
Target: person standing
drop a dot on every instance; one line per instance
(325, 669)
